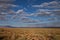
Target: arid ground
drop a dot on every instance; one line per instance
(29, 33)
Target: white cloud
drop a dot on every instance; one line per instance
(20, 11)
(2, 17)
(29, 20)
(7, 0)
(54, 12)
(52, 19)
(5, 8)
(53, 4)
(57, 13)
(41, 13)
(12, 5)
(42, 5)
(51, 15)
(48, 11)
(24, 17)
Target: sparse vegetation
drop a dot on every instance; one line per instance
(29, 33)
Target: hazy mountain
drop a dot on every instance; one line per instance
(7, 26)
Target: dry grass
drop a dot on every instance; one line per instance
(29, 33)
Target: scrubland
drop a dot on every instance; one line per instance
(29, 33)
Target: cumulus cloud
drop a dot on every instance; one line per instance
(47, 9)
(24, 17)
(52, 19)
(11, 12)
(23, 12)
(49, 15)
(56, 12)
(6, 8)
(29, 20)
(5, 0)
(2, 17)
(12, 5)
(20, 11)
(53, 4)
(41, 13)
(50, 24)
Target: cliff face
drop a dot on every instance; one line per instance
(29, 33)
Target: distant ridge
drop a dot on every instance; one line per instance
(34, 27)
(7, 26)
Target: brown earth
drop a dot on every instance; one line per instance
(29, 33)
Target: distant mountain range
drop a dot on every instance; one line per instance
(25, 27)
(6, 27)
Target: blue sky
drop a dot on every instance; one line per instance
(30, 13)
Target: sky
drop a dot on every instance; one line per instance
(30, 13)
